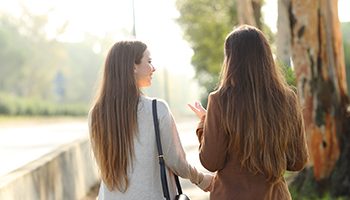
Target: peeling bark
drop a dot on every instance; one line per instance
(321, 80)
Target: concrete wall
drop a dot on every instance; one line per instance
(65, 174)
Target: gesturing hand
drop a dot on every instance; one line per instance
(198, 109)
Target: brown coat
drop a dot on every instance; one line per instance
(232, 182)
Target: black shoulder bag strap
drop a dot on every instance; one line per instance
(160, 156)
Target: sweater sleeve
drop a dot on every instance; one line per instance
(212, 138)
(174, 154)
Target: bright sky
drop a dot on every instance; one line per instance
(271, 17)
(154, 23)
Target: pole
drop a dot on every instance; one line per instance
(133, 19)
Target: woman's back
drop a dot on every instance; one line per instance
(144, 175)
(253, 131)
(122, 133)
(235, 181)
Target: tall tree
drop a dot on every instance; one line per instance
(206, 24)
(318, 58)
(249, 12)
(283, 40)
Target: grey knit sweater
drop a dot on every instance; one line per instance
(144, 177)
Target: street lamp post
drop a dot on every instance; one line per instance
(133, 19)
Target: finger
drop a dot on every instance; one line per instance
(192, 108)
(198, 105)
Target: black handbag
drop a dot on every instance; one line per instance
(180, 195)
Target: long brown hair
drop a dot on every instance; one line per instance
(114, 114)
(260, 111)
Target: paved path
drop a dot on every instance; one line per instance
(21, 144)
(190, 143)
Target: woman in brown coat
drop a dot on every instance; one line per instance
(252, 131)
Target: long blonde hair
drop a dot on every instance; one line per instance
(260, 111)
(114, 114)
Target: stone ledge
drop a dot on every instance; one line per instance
(66, 173)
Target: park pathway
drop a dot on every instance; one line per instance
(22, 143)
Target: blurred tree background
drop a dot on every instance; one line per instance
(345, 29)
(206, 24)
(308, 46)
(41, 76)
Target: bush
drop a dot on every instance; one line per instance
(288, 73)
(15, 106)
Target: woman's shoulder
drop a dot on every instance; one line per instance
(162, 105)
(214, 96)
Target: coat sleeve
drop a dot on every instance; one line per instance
(174, 154)
(212, 138)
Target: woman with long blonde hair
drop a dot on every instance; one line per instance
(122, 132)
(252, 131)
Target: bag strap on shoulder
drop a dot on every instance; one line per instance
(160, 155)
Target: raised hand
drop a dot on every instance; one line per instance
(198, 109)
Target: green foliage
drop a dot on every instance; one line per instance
(51, 77)
(305, 187)
(206, 24)
(11, 105)
(80, 71)
(346, 44)
(288, 73)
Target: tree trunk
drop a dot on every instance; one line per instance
(284, 33)
(318, 58)
(256, 5)
(249, 12)
(245, 12)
